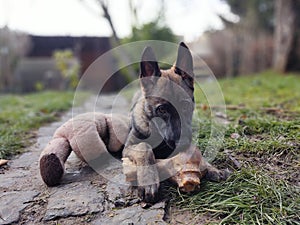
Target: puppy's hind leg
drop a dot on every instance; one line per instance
(52, 160)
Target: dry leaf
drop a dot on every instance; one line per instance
(3, 162)
(234, 135)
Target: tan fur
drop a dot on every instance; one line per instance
(171, 75)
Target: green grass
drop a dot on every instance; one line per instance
(264, 116)
(249, 196)
(20, 115)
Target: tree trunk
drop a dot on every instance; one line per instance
(284, 33)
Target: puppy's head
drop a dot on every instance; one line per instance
(169, 96)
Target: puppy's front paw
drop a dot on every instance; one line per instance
(149, 193)
(148, 183)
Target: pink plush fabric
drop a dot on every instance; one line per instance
(89, 135)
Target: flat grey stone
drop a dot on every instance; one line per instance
(42, 141)
(25, 160)
(116, 190)
(12, 178)
(48, 131)
(113, 172)
(135, 215)
(74, 199)
(11, 203)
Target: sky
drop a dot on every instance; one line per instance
(187, 18)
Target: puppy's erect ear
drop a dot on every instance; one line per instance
(184, 64)
(149, 70)
(149, 66)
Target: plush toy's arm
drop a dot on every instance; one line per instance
(52, 160)
(89, 135)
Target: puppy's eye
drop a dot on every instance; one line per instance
(162, 110)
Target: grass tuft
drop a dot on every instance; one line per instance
(20, 115)
(261, 145)
(249, 196)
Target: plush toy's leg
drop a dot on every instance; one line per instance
(52, 160)
(89, 146)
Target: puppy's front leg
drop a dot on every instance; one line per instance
(140, 158)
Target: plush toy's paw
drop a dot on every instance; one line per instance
(188, 182)
(51, 169)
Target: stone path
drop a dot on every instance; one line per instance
(84, 197)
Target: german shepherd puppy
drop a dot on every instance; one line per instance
(161, 118)
(161, 127)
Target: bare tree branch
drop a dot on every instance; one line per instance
(103, 5)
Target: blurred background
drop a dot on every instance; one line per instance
(251, 46)
(49, 44)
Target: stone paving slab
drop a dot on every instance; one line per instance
(25, 160)
(74, 199)
(12, 203)
(135, 215)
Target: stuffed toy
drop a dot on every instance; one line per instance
(89, 135)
